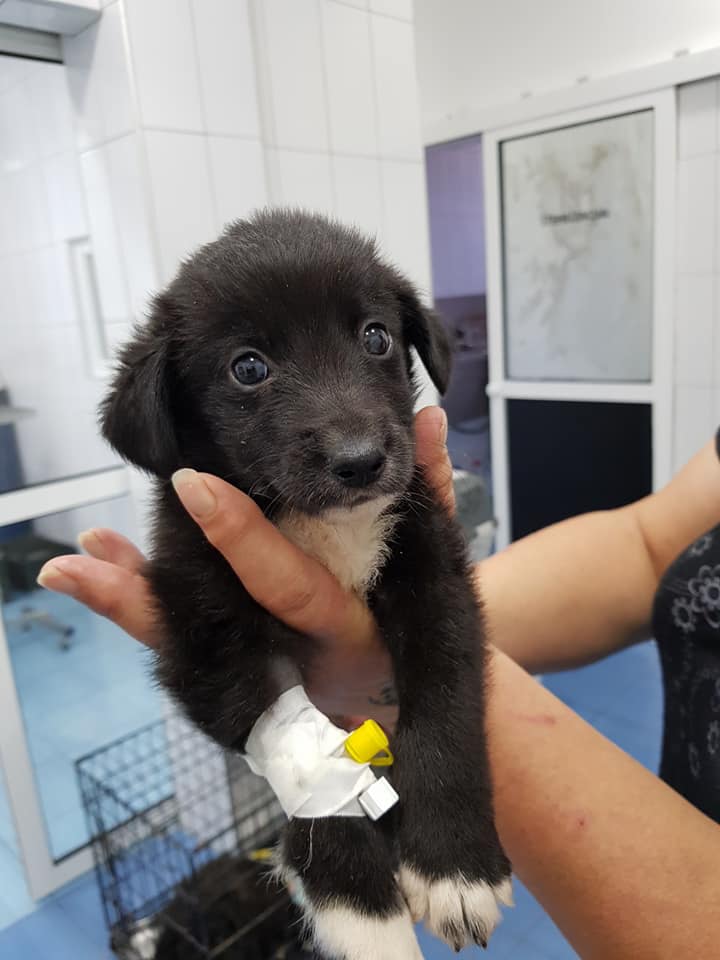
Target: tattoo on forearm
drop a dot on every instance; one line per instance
(387, 697)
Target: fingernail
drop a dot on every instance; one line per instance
(92, 544)
(442, 426)
(194, 493)
(53, 577)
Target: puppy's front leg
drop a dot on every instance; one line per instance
(453, 870)
(353, 906)
(340, 856)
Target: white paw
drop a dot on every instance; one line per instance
(459, 911)
(342, 933)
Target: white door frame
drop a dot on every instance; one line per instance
(659, 391)
(43, 873)
(666, 75)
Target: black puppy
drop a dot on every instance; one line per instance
(279, 359)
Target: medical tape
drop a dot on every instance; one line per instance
(302, 756)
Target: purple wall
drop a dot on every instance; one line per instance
(457, 218)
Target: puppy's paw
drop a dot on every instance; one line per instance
(458, 910)
(342, 933)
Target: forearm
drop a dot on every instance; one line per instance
(579, 590)
(624, 866)
(571, 593)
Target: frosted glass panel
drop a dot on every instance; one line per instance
(578, 251)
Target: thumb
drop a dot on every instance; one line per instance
(431, 437)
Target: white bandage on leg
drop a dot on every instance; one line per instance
(302, 756)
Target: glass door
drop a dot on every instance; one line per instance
(580, 229)
(70, 681)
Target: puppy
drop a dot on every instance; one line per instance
(279, 359)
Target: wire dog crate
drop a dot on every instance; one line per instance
(179, 831)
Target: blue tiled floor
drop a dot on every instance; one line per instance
(103, 676)
(621, 697)
(68, 926)
(73, 701)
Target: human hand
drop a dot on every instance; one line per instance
(352, 675)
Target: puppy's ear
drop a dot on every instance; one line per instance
(136, 417)
(425, 331)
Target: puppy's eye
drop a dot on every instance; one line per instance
(376, 339)
(250, 369)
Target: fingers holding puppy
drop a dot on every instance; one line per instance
(285, 581)
(296, 589)
(431, 429)
(114, 591)
(112, 547)
(292, 586)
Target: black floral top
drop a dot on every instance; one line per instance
(686, 621)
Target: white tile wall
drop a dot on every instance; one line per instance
(162, 50)
(394, 8)
(132, 220)
(697, 306)
(237, 168)
(27, 195)
(405, 232)
(175, 116)
(350, 79)
(42, 199)
(51, 111)
(301, 179)
(396, 88)
(65, 196)
(84, 86)
(98, 80)
(17, 130)
(295, 102)
(358, 195)
(112, 285)
(50, 295)
(716, 334)
(9, 313)
(12, 70)
(695, 421)
(696, 214)
(226, 66)
(117, 334)
(291, 56)
(182, 199)
(717, 208)
(694, 330)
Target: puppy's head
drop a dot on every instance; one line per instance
(279, 358)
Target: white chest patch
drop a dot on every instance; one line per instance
(352, 543)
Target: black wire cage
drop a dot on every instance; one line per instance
(181, 832)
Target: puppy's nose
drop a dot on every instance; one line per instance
(358, 465)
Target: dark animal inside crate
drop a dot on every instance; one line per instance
(279, 359)
(175, 823)
(231, 905)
